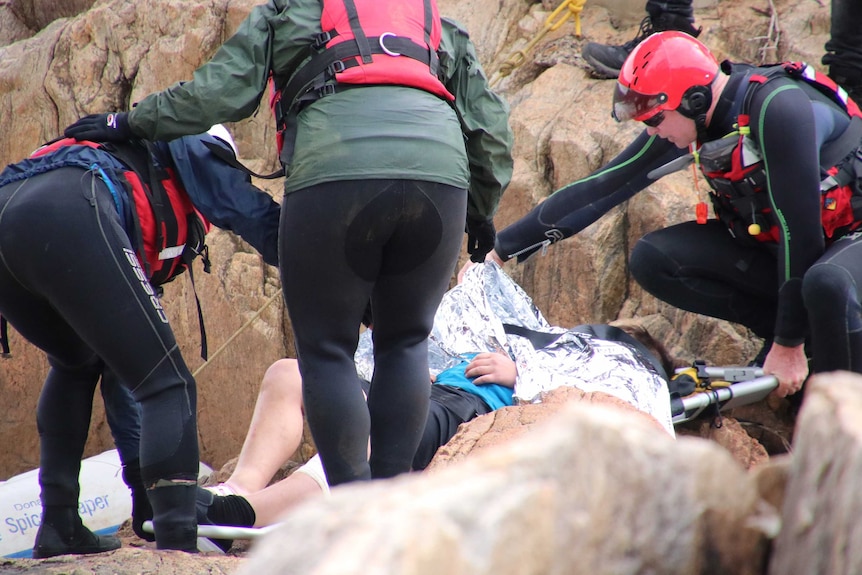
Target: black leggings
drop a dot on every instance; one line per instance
(702, 269)
(341, 243)
(70, 284)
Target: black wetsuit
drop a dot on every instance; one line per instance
(791, 290)
(70, 284)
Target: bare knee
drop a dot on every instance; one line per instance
(282, 379)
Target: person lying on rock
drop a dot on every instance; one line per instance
(88, 233)
(516, 348)
(780, 148)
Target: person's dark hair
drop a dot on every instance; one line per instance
(640, 333)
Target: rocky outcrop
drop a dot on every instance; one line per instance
(822, 506)
(38, 14)
(593, 490)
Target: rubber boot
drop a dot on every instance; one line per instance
(63, 533)
(141, 508)
(174, 515)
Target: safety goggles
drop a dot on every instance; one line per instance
(654, 121)
(630, 104)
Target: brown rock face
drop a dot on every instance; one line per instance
(37, 14)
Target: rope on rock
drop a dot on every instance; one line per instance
(568, 9)
(223, 346)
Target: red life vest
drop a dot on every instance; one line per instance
(381, 33)
(365, 42)
(169, 231)
(737, 175)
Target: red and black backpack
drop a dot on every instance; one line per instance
(739, 198)
(168, 230)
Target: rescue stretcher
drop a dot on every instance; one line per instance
(719, 388)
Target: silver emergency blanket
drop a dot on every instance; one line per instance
(470, 319)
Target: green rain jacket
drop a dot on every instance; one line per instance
(377, 132)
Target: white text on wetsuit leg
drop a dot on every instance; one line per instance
(142, 277)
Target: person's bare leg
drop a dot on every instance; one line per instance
(305, 483)
(275, 431)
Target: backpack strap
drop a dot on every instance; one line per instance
(361, 39)
(159, 201)
(434, 59)
(135, 158)
(188, 256)
(224, 155)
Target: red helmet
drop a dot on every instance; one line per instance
(668, 71)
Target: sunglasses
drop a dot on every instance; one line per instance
(654, 121)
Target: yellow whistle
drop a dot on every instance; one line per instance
(754, 230)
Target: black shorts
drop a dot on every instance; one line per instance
(449, 408)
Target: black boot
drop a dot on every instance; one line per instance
(607, 60)
(141, 508)
(63, 533)
(174, 515)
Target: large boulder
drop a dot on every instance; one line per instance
(592, 490)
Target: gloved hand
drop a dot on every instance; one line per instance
(113, 127)
(481, 235)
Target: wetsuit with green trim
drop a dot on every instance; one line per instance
(789, 290)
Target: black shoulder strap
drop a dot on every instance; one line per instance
(4, 337)
(221, 153)
(434, 64)
(612, 333)
(539, 339)
(161, 204)
(188, 262)
(355, 27)
(542, 339)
